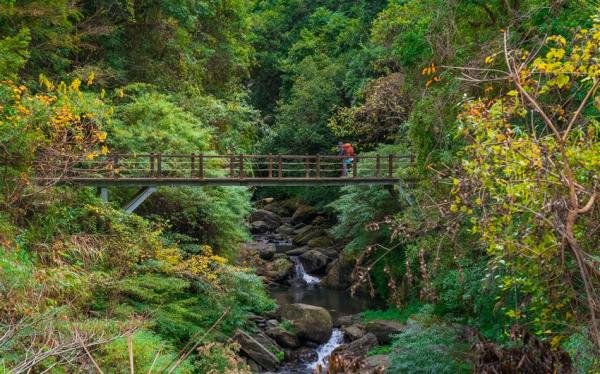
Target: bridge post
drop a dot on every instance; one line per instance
(151, 164)
(159, 166)
(241, 166)
(390, 165)
(192, 165)
(201, 166)
(270, 165)
(231, 162)
(115, 170)
(378, 166)
(354, 167)
(280, 167)
(306, 166)
(318, 166)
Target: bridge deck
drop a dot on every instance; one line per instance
(156, 169)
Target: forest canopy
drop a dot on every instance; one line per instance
(495, 101)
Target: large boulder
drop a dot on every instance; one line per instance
(297, 251)
(304, 214)
(285, 208)
(285, 229)
(272, 220)
(320, 242)
(330, 252)
(310, 322)
(283, 337)
(357, 348)
(313, 261)
(384, 330)
(256, 351)
(266, 251)
(259, 227)
(305, 236)
(339, 275)
(280, 269)
(354, 332)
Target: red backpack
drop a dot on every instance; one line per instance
(348, 150)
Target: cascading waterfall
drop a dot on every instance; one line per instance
(300, 273)
(324, 351)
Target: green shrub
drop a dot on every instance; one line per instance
(113, 358)
(428, 345)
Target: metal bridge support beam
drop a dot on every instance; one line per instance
(139, 198)
(103, 192)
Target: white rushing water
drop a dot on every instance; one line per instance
(300, 273)
(337, 338)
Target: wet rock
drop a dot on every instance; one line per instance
(354, 332)
(384, 330)
(303, 354)
(272, 220)
(254, 367)
(279, 269)
(348, 320)
(272, 323)
(304, 237)
(256, 351)
(359, 347)
(259, 227)
(330, 252)
(313, 261)
(339, 275)
(310, 322)
(283, 337)
(377, 363)
(297, 251)
(301, 229)
(320, 242)
(279, 255)
(285, 229)
(304, 214)
(264, 250)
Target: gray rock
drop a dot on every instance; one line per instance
(297, 251)
(330, 252)
(272, 323)
(310, 322)
(313, 261)
(285, 229)
(283, 337)
(320, 242)
(272, 220)
(304, 214)
(339, 274)
(279, 269)
(384, 330)
(354, 332)
(301, 228)
(259, 227)
(359, 347)
(264, 250)
(304, 237)
(256, 351)
(348, 320)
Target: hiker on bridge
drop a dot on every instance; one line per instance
(346, 150)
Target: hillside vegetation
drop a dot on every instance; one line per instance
(496, 100)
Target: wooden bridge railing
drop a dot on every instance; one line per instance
(156, 166)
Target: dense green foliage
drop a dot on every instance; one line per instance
(496, 100)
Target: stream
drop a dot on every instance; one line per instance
(338, 303)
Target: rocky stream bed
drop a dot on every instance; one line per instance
(316, 328)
